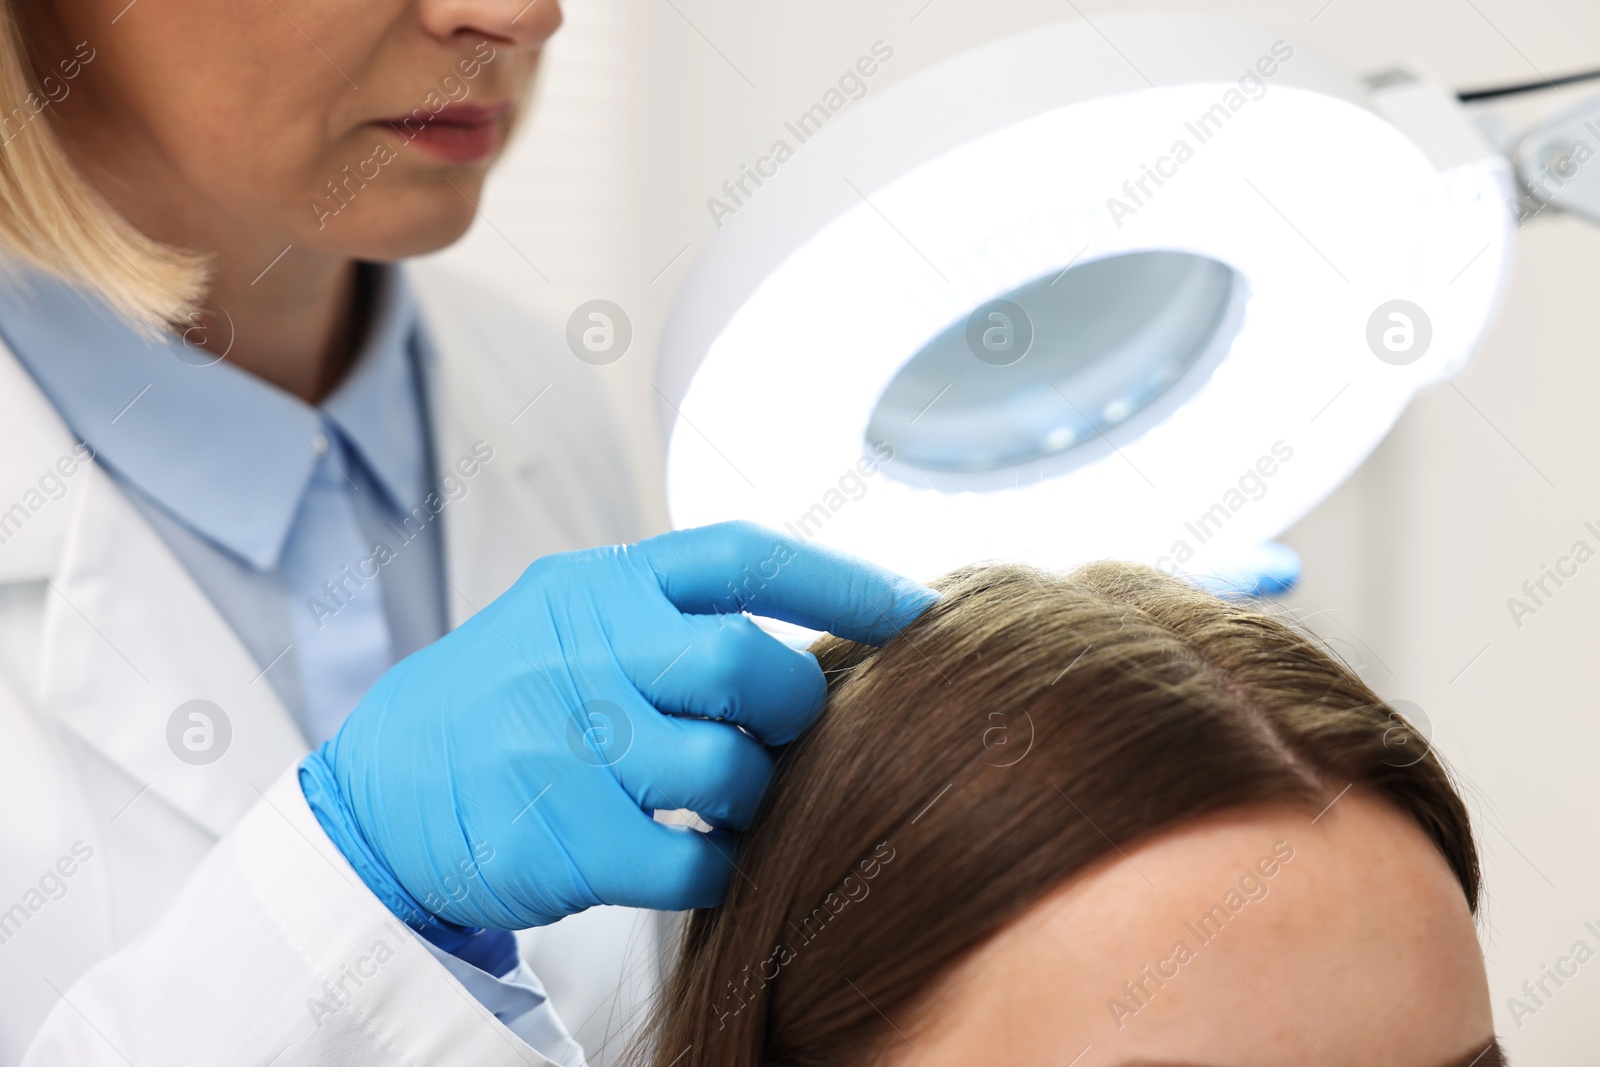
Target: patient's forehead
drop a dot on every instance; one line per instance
(1259, 938)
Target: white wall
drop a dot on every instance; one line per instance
(650, 104)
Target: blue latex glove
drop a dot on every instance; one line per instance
(1266, 570)
(504, 776)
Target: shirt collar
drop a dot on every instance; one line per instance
(380, 407)
(224, 452)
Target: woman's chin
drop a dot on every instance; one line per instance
(388, 225)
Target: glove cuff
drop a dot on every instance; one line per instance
(322, 793)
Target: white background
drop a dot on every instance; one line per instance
(649, 105)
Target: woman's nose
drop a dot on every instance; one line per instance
(520, 23)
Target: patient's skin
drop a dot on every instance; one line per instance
(1362, 952)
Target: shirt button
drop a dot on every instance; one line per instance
(320, 443)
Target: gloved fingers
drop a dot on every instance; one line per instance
(665, 762)
(725, 667)
(738, 566)
(668, 868)
(710, 768)
(1270, 569)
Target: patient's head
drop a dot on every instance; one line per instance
(1099, 815)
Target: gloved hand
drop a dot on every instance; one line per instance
(504, 776)
(1266, 570)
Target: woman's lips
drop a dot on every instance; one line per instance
(460, 133)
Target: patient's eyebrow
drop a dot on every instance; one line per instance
(1491, 1055)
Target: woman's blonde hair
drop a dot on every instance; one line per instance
(54, 221)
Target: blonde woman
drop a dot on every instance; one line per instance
(289, 746)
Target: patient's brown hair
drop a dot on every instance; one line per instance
(1008, 740)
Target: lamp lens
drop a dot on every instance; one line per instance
(1057, 363)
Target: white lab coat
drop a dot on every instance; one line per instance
(155, 912)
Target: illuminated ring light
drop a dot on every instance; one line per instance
(1182, 431)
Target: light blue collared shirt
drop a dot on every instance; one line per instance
(220, 462)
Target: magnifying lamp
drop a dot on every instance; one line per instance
(1146, 288)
